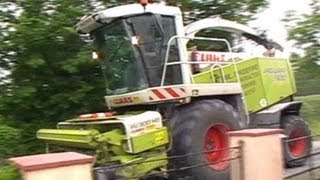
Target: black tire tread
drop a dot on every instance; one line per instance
(287, 122)
(181, 125)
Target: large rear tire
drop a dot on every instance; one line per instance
(198, 127)
(295, 127)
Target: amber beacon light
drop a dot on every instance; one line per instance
(143, 2)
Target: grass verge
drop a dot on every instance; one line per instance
(311, 111)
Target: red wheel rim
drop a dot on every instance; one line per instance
(297, 147)
(216, 139)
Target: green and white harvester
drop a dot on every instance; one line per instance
(167, 97)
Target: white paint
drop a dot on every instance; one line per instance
(263, 102)
(217, 23)
(142, 123)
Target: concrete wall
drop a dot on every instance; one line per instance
(55, 166)
(261, 154)
(73, 172)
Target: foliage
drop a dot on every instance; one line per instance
(9, 140)
(51, 75)
(305, 33)
(20, 140)
(9, 172)
(240, 10)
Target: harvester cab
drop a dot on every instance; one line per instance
(131, 42)
(165, 99)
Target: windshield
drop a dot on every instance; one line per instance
(121, 70)
(132, 52)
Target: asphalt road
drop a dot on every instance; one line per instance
(313, 162)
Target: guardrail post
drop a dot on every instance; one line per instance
(55, 166)
(260, 154)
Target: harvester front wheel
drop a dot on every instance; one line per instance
(202, 127)
(297, 144)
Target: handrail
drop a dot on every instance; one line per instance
(221, 69)
(213, 64)
(166, 63)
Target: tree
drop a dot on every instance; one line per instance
(51, 76)
(306, 36)
(240, 11)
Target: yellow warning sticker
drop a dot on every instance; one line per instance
(160, 137)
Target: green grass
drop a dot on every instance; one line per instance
(311, 111)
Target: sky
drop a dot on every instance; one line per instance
(270, 19)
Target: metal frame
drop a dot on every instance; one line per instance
(95, 20)
(166, 63)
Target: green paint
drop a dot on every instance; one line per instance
(146, 165)
(150, 140)
(277, 80)
(112, 147)
(113, 137)
(73, 138)
(265, 81)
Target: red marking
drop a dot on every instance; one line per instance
(108, 114)
(211, 57)
(96, 115)
(159, 94)
(172, 92)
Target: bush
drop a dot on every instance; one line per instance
(19, 139)
(9, 140)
